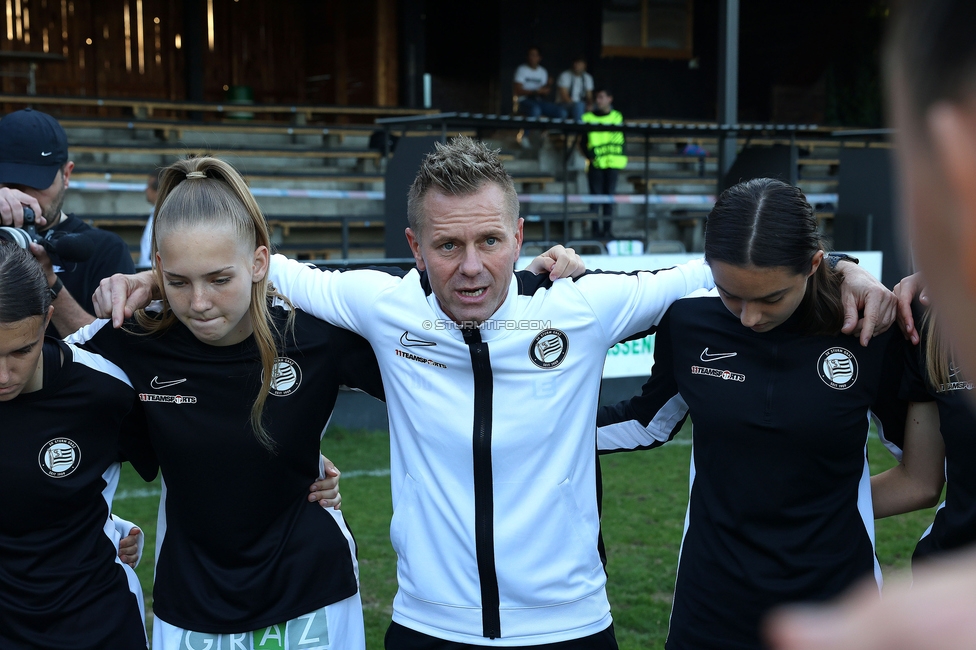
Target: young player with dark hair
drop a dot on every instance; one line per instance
(780, 502)
(67, 414)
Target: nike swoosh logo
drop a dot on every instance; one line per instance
(706, 357)
(159, 385)
(46, 154)
(408, 342)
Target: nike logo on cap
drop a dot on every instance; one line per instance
(159, 385)
(715, 356)
(408, 342)
(46, 154)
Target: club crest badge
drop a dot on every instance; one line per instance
(59, 457)
(837, 368)
(549, 348)
(286, 377)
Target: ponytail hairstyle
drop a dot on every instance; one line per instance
(207, 191)
(23, 286)
(938, 354)
(768, 223)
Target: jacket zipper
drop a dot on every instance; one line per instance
(483, 488)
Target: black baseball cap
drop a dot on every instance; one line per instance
(33, 147)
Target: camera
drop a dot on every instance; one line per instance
(21, 236)
(61, 247)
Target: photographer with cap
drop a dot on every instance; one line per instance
(34, 173)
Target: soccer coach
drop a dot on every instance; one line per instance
(491, 379)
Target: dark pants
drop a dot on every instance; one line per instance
(602, 181)
(399, 637)
(540, 108)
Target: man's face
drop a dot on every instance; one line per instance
(534, 58)
(940, 226)
(603, 101)
(579, 67)
(51, 199)
(468, 246)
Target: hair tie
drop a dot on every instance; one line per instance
(196, 175)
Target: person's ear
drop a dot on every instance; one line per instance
(953, 129)
(259, 266)
(47, 320)
(815, 263)
(414, 240)
(66, 172)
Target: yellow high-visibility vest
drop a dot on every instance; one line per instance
(607, 147)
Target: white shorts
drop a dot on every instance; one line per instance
(337, 626)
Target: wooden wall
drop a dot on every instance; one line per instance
(307, 51)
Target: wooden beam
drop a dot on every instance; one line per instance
(386, 49)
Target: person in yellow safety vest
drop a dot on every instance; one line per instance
(605, 151)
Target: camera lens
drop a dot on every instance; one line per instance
(15, 236)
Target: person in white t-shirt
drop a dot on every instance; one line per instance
(532, 87)
(145, 243)
(575, 89)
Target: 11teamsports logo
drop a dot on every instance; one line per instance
(837, 368)
(59, 457)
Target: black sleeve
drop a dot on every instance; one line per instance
(134, 445)
(914, 386)
(889, 409)
(652, 418)
(357, 364)
(102, 339)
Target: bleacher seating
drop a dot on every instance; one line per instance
(322, 185)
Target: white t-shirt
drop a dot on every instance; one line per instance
(531, 79)
(576, 85)
(145, 242)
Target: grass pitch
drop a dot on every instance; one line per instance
(644, 499)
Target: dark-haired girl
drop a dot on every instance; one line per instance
(780, 501)
(65, 417)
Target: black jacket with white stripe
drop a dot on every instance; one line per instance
(780, 503)
(239, 547)
(61, 582)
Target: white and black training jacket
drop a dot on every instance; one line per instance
(62, 584)
(493, 447)
(239, 547)
(780, 503)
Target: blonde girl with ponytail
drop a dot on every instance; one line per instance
(237, 388)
